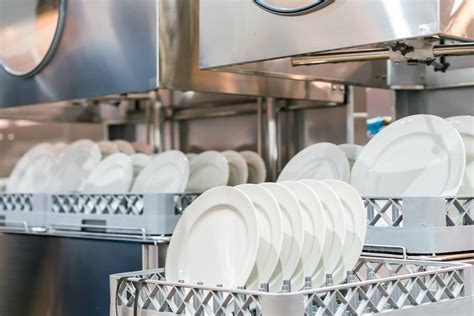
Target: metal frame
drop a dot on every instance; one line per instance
(376, 286)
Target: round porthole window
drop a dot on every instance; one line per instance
(29, 32)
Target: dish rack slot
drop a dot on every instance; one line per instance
(421, 225)
(376, 286)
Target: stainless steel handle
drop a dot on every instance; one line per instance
(313, 6)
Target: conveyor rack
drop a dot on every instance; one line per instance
(421, 225)
(389, 286)
(134, 214)
(418, 225)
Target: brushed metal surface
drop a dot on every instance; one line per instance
(107, 46)
(29, 32)
(179, 62)
(118, 46)
(58, 276)
(242, 32)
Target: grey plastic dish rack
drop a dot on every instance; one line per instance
(416, 225)
(428, 225)
(388, 286)
(140, 214)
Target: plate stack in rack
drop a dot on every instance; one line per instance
(292, 233)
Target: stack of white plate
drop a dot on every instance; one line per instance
(211, 169)
(253, 234)
(420, 155)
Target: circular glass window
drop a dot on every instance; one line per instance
(28, 30)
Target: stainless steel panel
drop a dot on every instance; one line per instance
(118, 46)
(369, 74)
(242, 32)
(442, 102)
(59, 276)
(29, 32)
(179, 61)
(106, 46)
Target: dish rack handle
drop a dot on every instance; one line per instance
(313, 6)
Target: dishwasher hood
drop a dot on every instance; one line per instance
(53, 50)
(378, 43)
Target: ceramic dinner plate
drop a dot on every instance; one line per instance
(114, 174)
(335, 227)
(420, 155)
(465, 126)
(32, 171)
(139, 161)
(107, 148)
(270, 231)
(124, 146)
(257, 171)
(314, 228)
(190, 156)
(167, 172)
(215, 241)
(74, 165)
(356, 228)
(207, 170)
(319, 161)
(142, 148)
(293, 233)
(352, 151)
(238, 171)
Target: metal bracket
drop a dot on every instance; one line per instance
(412, 51)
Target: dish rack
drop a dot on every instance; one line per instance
(389, 286)
(421, 225)
(130, 214)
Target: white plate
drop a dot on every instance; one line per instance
(32, 171)
(215, 241)
(74, 165)
(114, 174)
(293, 233)
(335, 230)
(314, 228)
(238, 171)
(207, 170)
(420, 155)
(167, 172)
(319, 161)
(355, 211)
(271, 235)
(190, 156)
(142, 148)
(256, 167)
(107, 148)
(465, 126)
(124, 146)
(59, 147)
(139, 161)
(352, 151)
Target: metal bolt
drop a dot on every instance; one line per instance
(264, 287)
(329, 280)
(286, 287)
